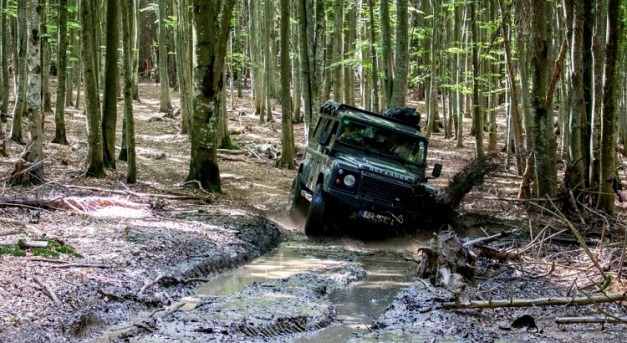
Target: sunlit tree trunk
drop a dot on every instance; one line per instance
(35, 153)
(212, 27)
(267, 65)
(95, 163)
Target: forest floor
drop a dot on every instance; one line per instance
(105, 253)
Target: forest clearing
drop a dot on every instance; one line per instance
(149, 152)
(138, 251)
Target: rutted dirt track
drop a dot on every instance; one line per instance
(144, 257)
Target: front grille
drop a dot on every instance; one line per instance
(384, 190)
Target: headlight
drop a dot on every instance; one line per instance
(349, 180)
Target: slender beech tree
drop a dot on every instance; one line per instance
(373, 58)
(60, 136)
(45, 59)
(126, 7)
(386, 52)
(212, 24)
(477, 116)
(577, 142)
(20, 75)
(111, 84)
(607, 169)
(95, 163)
(287, 131)
(542, 119)
(401, 64)
(4, 59)
(164, 80)
(35, 153)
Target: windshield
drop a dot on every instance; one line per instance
(381, 141)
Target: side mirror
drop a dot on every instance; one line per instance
(325, 138)
(437, 170)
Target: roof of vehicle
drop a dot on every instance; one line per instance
(333, 108)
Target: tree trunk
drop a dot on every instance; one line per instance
(20, 74)
(268, 67)
(45, 60)
(607, 168)
(477, 116)
(127, 62)
(307, 74)
(35, 152)
(373, 58)
(95, 163)
(542, 127)
(164, 80)
(287, 131)
(401, 65)
(111, 84)
(576, 163)
(212, 32)
(386, 53)
(4, 90)
(59, 113)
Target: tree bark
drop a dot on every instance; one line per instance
(35, 152)
(95, 163)
(21, 73)
(164, 80)
(212, 23)
(287, 131)
(607, 169)
(401, 65)
(127, 62)
(60, 136)
(111, 84)
(4, 90)
(477, 116)
(386, 53)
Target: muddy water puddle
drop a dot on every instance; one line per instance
(357, 304)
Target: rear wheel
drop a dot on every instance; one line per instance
(298, 204)
(317, 218)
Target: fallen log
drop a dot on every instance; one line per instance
(572, 301)
(591, 320)
(47, 290)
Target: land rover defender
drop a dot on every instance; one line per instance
(363, 166)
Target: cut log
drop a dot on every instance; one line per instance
(572, 301)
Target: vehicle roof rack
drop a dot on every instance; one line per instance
(407, 116)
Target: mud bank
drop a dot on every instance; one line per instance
(127, 266)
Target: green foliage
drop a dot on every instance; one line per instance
(53, 250)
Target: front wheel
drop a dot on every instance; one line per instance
(318, 216)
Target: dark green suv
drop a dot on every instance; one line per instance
(363, 166)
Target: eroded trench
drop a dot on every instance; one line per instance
(302, 291)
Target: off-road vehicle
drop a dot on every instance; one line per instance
(363, 166)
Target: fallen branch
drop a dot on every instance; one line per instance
(488, 239)
(591, 320)
(572, 301)
(501, 255)
(11, 222)
(49, 292)
(81, 265)
(139, 195)
(152, 283)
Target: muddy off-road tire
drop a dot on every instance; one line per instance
(317, 217)
(298, 204)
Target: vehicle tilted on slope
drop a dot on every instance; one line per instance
(363, 166)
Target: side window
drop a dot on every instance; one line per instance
(318, 130)
(332, 130)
